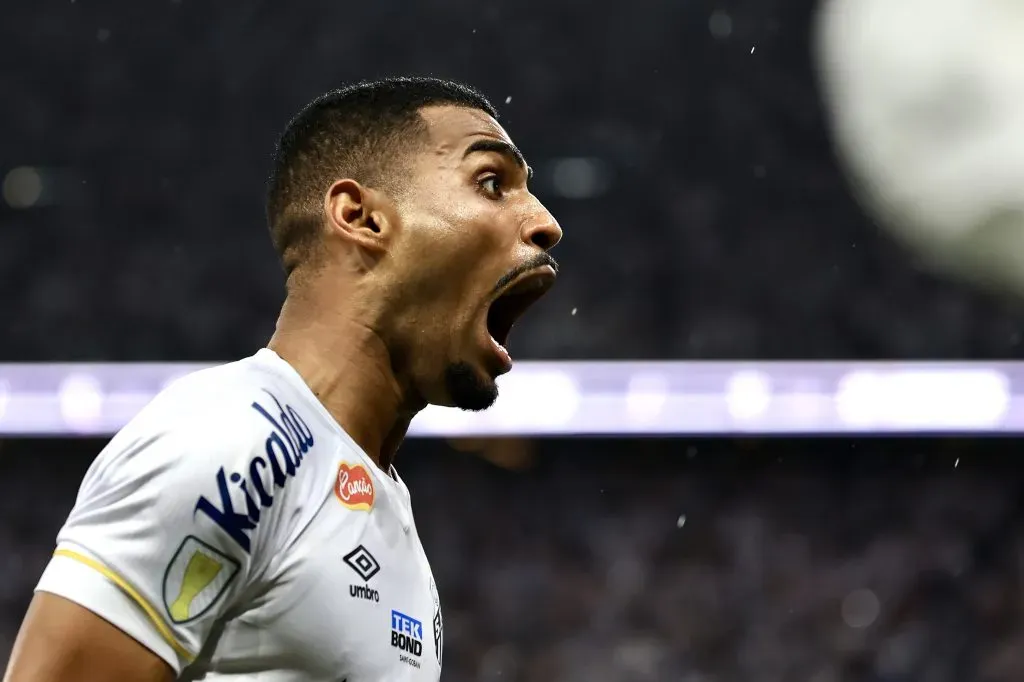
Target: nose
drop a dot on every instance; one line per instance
(543, 231)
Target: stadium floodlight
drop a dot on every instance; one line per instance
(600, 398)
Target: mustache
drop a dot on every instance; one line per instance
(538, 261)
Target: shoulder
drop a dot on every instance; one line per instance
(192, 503)
(219, 445)
(215, 417)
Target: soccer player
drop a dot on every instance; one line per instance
(249, 523)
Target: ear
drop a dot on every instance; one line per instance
(359, 215)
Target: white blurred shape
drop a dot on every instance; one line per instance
(22, 187)
(943, 399)
(748, 394)
(860, 608)
(923, 399)
(449, 421)
(926, 99)
(579, 178)
(539, 397)
(81, 401)
(857, 398)
(645, 397)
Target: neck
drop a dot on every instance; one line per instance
(348, 367)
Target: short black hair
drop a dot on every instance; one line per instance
(350, 132)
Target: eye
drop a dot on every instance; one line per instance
(491, 186)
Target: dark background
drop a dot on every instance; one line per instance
(831, 560)
(683, 148)
(712, 221)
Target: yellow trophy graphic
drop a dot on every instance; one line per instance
(199, 573)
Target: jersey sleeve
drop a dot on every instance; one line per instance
(165, 534)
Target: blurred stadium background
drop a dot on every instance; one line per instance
(688, 151)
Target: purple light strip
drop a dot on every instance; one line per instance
(610, 398)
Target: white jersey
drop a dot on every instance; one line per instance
(238, 532)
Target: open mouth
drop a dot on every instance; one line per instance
(513, 302)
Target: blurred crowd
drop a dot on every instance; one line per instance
(681, 145)
(683, 148)
(634, 561)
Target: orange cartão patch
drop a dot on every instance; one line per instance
(354, 487)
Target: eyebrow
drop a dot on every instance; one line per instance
(506, 149)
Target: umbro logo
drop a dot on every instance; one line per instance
(362, 562)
